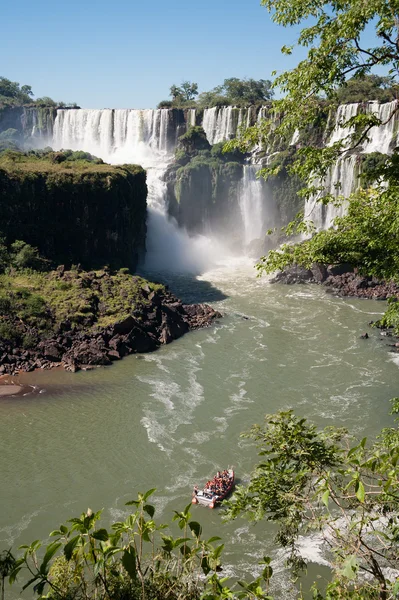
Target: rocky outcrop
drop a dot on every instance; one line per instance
(343, 280)
(158, 319)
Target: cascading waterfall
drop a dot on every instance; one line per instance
(252, 204)
(148, 137)
(343, 178)
(221, 124)
(385, 137)
(143, 137)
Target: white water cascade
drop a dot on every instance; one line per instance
(343, 178)
(252, 204)
(145, 137)
(221, 124)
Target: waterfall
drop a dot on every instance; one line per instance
(143, 137)
(385, 137)
(340, 182)
(380, 139)
(221, 124)
(340, 132)
(252, 204)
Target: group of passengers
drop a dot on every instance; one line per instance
(218, 485)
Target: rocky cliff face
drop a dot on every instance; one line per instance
(74, 212)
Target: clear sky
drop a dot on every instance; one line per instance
(127, 53)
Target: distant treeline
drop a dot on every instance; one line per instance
(244, 92)
(14, 94)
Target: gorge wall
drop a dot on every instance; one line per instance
(74, 212)
(204, 191)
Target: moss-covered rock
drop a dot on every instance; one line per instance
(79, 318)
(74, 211)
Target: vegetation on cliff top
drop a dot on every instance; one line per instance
(13, 94)
(64, 161)
(68, 300)
(233, 91)
(74, 208)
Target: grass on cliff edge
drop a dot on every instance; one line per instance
(65, 161)
(79, 298)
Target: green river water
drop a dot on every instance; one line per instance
(172, 418)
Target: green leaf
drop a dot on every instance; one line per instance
(360, 493)
(325, 497)
(149, 509)
(13, 575)
(100, 534)
(51, 550)
(35, 578)
(70, 546)
(148, 494)
(129, 562)
(195, 528)
(350, 568)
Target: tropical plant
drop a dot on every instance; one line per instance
(86, 561)
(7, 564)
(310, 480)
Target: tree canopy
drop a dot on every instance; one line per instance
(186, 92)
(337, 61)
(239, 92)
(11, 92)
(233, 91)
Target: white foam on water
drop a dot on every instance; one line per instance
(13, 532)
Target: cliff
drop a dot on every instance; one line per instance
(74, 211)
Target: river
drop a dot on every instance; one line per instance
(170, 419)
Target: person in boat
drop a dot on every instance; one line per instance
(195, 490)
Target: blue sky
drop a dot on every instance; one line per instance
(126, 54)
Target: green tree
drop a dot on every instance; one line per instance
(10, 91)
(367, 87)
(332, 34)
(46, 100)
(310, 480)
(186, 92)
(242, 92)
(7, 564)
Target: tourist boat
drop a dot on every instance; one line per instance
(220, 487)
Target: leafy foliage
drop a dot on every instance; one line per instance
(240, 92)
(132, 560)
(12, 93)
(367, 87)
(366, 237)
(311, 480)
(183, 94)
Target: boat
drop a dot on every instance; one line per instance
(215, 490)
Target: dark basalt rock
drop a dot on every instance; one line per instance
(294, 274)
(163, 319)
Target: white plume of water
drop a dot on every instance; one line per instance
(340, 132)
(385, 137)
(221, 124)
(342, 178)
(340, 182)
